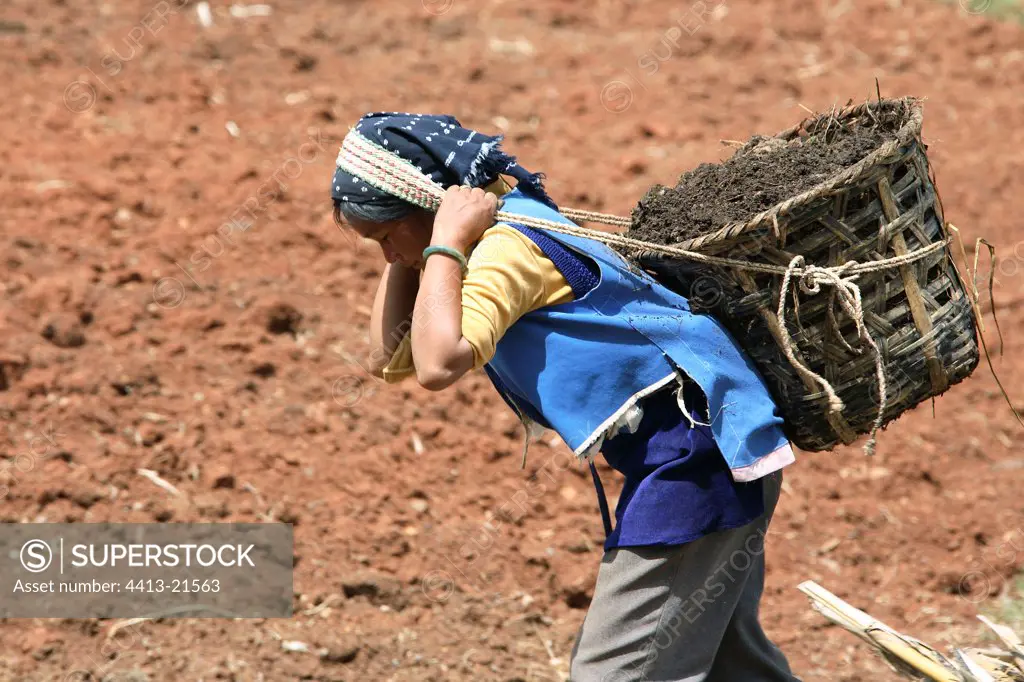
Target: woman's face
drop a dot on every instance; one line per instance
(402, 241)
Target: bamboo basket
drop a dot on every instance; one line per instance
(919, 314)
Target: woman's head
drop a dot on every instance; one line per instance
(436, 146)
(402, 229)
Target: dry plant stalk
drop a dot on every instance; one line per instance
(915, 659)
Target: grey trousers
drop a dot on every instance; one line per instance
(686, 613)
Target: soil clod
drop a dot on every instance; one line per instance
(283, 319)
(64, 331)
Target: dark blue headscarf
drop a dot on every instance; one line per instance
(440, 147)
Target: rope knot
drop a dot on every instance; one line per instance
(813, 276)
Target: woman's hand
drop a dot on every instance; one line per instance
(464, 215)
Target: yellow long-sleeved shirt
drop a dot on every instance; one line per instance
(508, 276)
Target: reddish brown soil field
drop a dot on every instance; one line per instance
(131, 139)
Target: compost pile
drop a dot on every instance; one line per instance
(762, 173)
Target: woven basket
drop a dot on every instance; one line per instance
(919, 314)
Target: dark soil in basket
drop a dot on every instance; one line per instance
(762, 173)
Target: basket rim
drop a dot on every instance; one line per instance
(910, 130)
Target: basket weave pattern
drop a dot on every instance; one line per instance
(919, 314)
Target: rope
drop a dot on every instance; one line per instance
(593, 217)
(390, 173)
(848, 294)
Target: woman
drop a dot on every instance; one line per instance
(576, 341)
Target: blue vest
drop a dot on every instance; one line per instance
(577, 367)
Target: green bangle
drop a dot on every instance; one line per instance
(448, 251)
